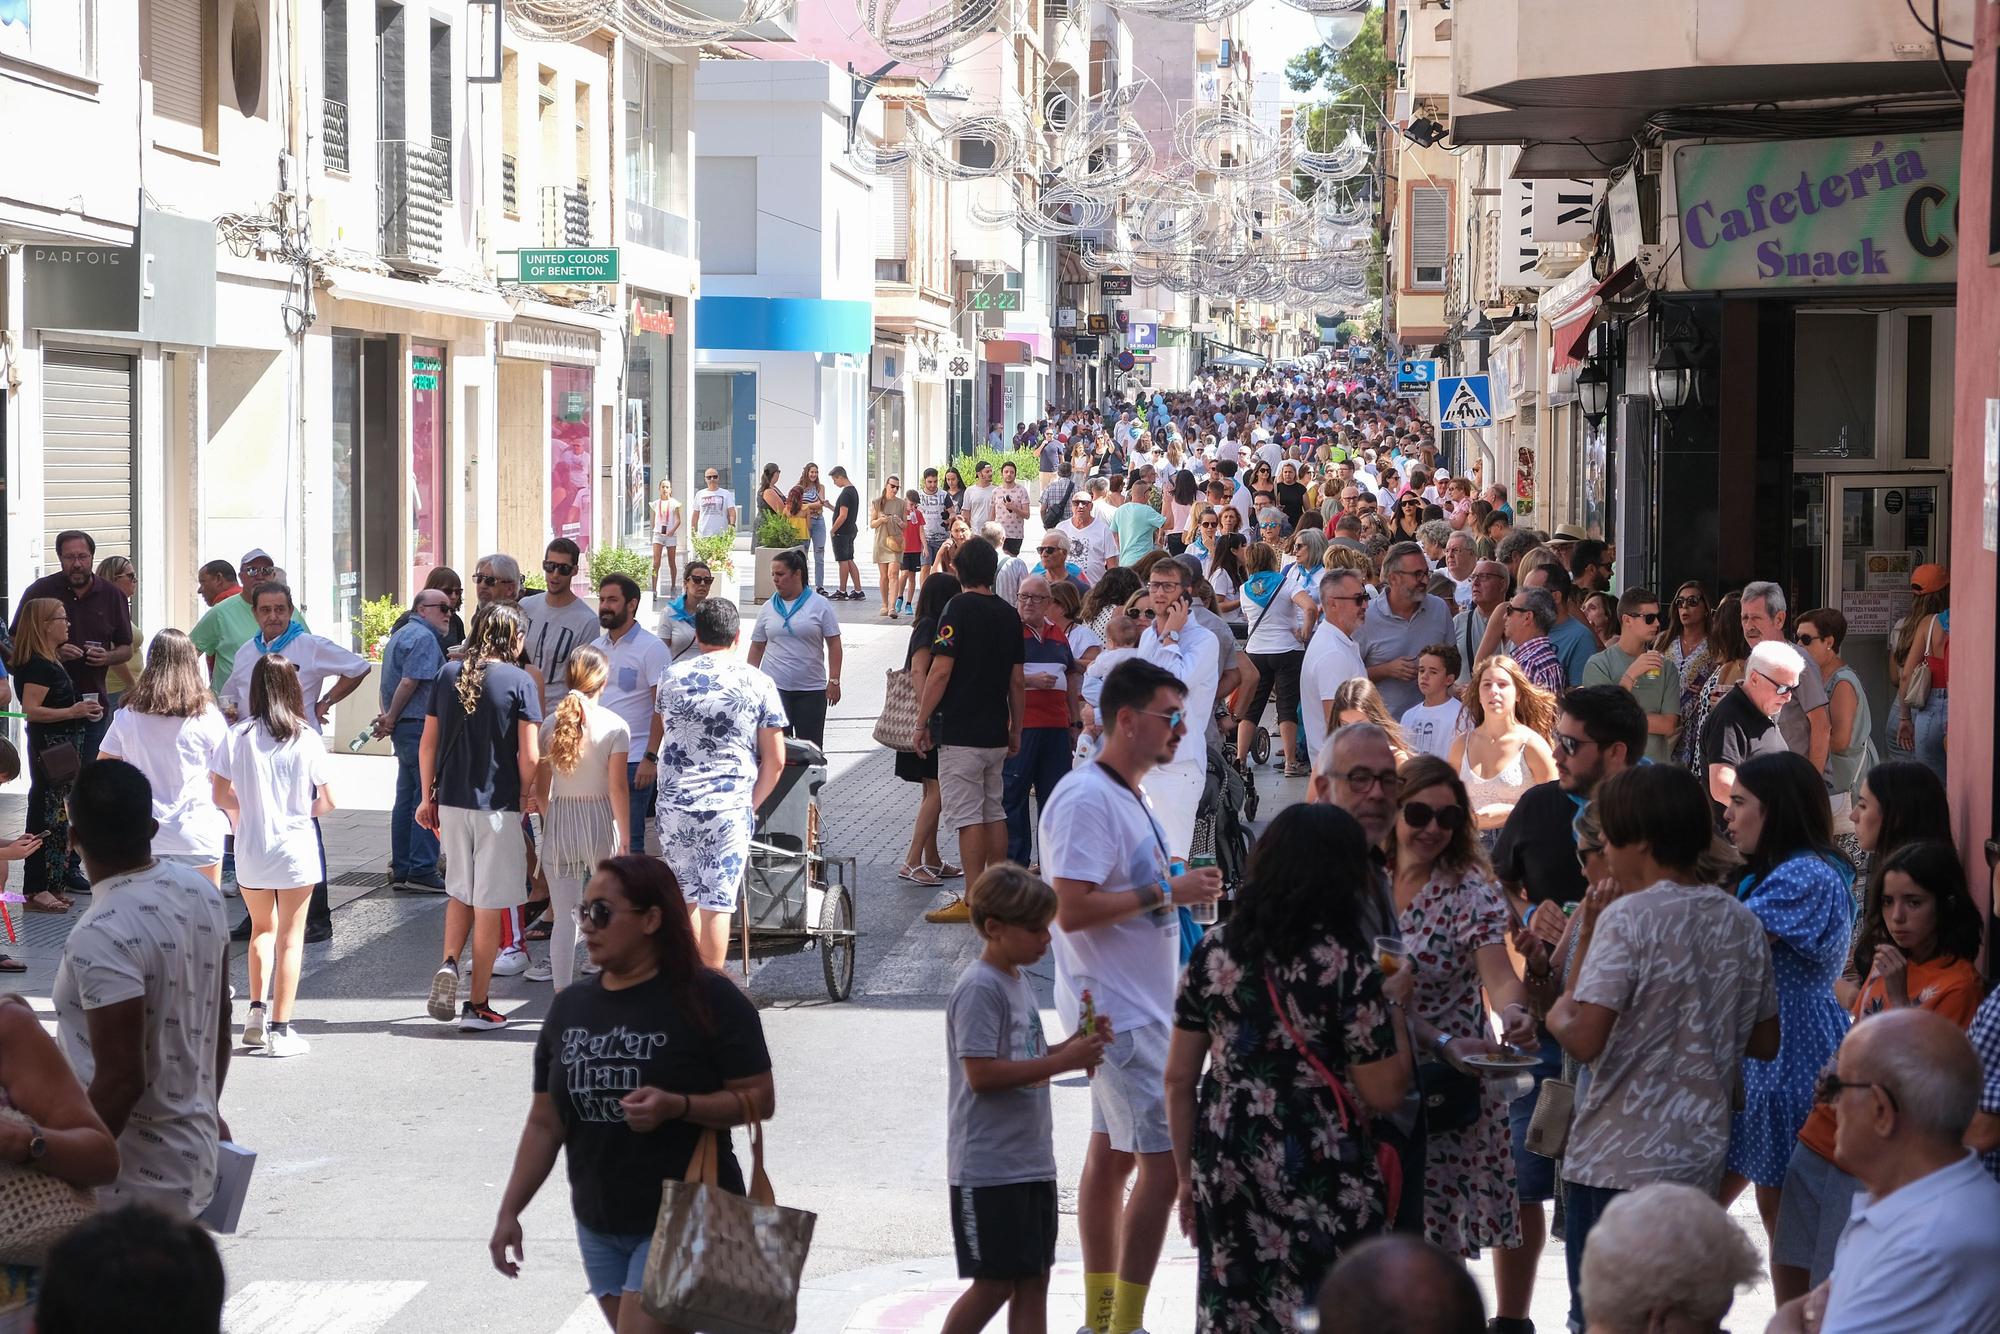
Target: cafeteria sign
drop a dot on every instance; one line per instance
(1868, 210)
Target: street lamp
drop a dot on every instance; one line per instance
(1593, 390)
(1338, 31)
(1675, 377)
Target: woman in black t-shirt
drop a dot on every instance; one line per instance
(57, 717)
(925, 865)
(632, 1067)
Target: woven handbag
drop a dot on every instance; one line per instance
(723, 1263)
(1555, 1112)
(898, 721)
(36, 1209)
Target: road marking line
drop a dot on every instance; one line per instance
(317, 1307)
(587, 1318)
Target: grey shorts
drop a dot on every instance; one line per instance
(969, 785)
(486, 856)
(1128, 1095)
(1812, 1212)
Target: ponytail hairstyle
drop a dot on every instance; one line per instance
(498, 634)
(275, 698)
(587, 671)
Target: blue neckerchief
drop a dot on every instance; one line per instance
(785, 613)
(292, 631)
(679, 608)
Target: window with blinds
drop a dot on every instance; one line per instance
(441, 137)
(892, 216)
(180, 47)
(1430, 235)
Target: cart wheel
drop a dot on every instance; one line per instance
(836, 953)
(1260, 746)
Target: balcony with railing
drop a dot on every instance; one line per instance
(566, 215)
(413, 188)
(333, 134)
(510, 184)
(441, 145)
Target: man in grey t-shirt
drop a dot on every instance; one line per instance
(558, 621)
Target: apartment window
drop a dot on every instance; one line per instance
(583, 154)
(390, 74)
(892, 271)
(1430, 236)
(510, 133)
(334, 139)
(55, 34)
(727, 210)
(441, 134)
(892, 227)
(649, 128)
(180, 65)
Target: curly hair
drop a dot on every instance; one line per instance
(586, 671)
(1534, 707)
(497, 634)
(1309, 878)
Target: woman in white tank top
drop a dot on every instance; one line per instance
(1507, 751)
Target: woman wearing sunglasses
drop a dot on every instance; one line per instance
(1684, 633)
(685, 1042)
(1454, 922)
(1408, 519)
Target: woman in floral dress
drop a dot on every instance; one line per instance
(1278, 1173)
(1454, 922)
(1684, 638)
(718, 736)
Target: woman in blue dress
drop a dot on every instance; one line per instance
(1798, 884)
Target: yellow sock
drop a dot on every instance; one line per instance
(1128, 1307)
(1097, 1290)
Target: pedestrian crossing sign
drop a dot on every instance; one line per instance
(1464, 401)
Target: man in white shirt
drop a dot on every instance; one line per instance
(1917, 1252)
(638, 661)
(714, 508)
(142, 1000)
(558, 621)
(1177, 642)
(1331, 656)
(1093, 547)
(318, 659)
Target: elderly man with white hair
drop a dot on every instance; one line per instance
(1743, 724)
(1918, 1251)
(1007, 583)
(1665, 1259)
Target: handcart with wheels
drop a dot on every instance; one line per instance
(795, 896)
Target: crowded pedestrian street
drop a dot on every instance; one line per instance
(1119, 666)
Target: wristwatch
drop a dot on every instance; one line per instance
(1444, 1042)
(37, 1146)
(652, 757)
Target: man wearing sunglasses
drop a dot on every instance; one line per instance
(1331, 656)
(1633, 665)
(558, 620)
(1744, 723)
(714, 507)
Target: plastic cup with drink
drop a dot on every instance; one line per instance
(1391, 954)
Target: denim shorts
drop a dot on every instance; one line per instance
(1817, 1201)
(613, 1262)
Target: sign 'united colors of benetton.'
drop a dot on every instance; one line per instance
(1869, 210)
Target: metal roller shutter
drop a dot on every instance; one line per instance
(176, 40)
(87, 449)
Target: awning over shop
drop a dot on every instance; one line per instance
(404, 294)
(1569, 328)
(783, 324)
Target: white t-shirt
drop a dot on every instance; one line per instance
(1272, 453)
(274, 781)
(1096, 830)
(552, 632)
(157, 933)
(318, 661)
(637, 662)
(978, 506)
(795, 652)
(1331, 659)
(174, 754)
(1431, 728)
(603, 732)
(1277, 631)
(1089, 547)
(711, 507)
(1225, 587)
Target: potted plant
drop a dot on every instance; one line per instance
(719, 554)
(775, 532)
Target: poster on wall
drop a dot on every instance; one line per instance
(569, 454)
(426, 460)
(1887, 570)
(1990, 506)
(1875, 612)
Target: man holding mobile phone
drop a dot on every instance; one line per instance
(1177, 642)
(1054, 716)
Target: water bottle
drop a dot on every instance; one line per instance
(1203, 913)
(362, 738)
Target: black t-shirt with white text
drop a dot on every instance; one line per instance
(982, 637)
(596, 1046)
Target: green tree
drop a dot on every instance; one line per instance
(1353, 82)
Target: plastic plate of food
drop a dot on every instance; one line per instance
(1503, 1064)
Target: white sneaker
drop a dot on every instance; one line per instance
(253, 1027)
(540, 971)
(286, 1044)
(511, 962)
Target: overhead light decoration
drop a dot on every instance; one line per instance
(1338, 31)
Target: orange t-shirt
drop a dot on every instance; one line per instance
(1946, 985)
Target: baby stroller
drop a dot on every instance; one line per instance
(1222, 820)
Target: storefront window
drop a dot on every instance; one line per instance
(649, 124)
(345, 425)
(725, 431)
(885, 438)
(570, 453)
(1833, 385)
(426, 460)
(646, 442)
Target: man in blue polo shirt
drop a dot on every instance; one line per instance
(1054, 684)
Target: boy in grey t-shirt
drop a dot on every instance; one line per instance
(1000, 1151)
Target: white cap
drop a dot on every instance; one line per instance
(252, 556)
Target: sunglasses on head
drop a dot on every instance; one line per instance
(1449, 818)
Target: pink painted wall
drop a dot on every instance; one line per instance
(1969, 754)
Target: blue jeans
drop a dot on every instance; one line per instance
(1583, 1206)
(817, 528)
(1044, 759)
(643, 800)
(413, 849)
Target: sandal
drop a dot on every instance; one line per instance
(947, 870)
(10, 964)
(539, 931)
(920, 874)
(46, 902)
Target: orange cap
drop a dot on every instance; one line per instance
(1929, 579)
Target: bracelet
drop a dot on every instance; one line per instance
(687, 1105)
